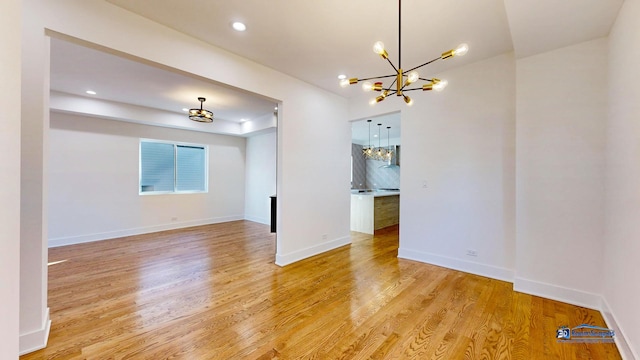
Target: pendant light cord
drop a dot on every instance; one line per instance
(399, 34)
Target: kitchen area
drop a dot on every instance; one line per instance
(375, 173)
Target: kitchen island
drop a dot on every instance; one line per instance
(373, 210)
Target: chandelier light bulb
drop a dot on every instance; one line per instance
(373, 101)
(378, 47)
(461, 50)
(412, 77)
(408, 100)
(367, 86)
(344, 83)
(440, 85)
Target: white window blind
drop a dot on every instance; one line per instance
(171, 168)
(190, 167)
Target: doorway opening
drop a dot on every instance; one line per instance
(375, 173)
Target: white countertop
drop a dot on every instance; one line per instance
(376, 193)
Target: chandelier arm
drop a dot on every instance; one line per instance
(390, 86)
(427, 63)
(424, 79)
(405, 90)
(378, 77)
(393, 66)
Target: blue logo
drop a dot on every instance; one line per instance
(584, 333)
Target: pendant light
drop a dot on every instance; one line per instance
(389, 153)
(368, 151)
(380, 150)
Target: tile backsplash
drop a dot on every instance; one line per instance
(368, 174)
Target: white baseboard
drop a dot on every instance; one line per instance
(138, 231)
(558, 293)
(36, 340)
(485, 270)
(258, 219)
(623, 346)
(286, 259)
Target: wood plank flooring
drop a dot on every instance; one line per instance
(213, 292)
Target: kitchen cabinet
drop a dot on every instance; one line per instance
(375, 210)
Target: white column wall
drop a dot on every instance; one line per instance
(561, 114)
(94, 174)
(10, 23)
(34, 313)
(313, 187)
(261, 177)
(621, 243)
(461, 143)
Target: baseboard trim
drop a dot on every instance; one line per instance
(621, 342)
(258, 219)
(36, 340)
(485, 270)
(286, 259)
(558, 293)
(63, 241)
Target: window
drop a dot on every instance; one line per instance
(172, 167)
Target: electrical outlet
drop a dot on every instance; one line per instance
(324, 236)
(471, 252)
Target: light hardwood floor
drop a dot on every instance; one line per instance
(213, 292)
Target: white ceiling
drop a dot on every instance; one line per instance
(542, 25)
(360, 130)
(75, 69)
(317, 40)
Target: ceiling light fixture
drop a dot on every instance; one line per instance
(402, 78)
(90, 92)
(238, 26)
(201, 115)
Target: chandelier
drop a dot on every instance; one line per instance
(403, 79)
(379, 153)
(201, 115)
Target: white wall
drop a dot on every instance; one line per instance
(313, 203)
(94, 176)
(10, 22)
(561, 113)
(260, 180)
(34, 313)
(621, 243)
(461, 142)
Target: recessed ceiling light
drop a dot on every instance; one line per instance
(238, 26)
(90, 92)
(185, 109)
(275, 108)
(243, 120)
(342, 76)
